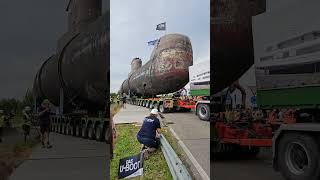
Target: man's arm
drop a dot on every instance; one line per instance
(43, 111)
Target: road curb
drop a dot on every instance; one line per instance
(194, 162)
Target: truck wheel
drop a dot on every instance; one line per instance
(298, 157)
(91, 132)
(162, 109)
(203, 112)
(99, 133)
(84, 132)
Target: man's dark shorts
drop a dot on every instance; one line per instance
(44, 128)
(152, 143)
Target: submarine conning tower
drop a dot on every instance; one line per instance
(82, 12)
(136, 64)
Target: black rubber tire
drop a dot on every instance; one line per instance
(78, 130)
(308, 147)
(99, 133)
(68, 129)
(107, 135)
(60, 129)
(84, 132)
(250, 152)
(72, 130)
(162, 109)
(156, 106)
(91, 134)
(203, 112)
(64, 128)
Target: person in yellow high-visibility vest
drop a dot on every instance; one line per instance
(2, 123)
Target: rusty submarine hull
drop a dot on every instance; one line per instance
(231, 40)
(165, 72)
(80, 66)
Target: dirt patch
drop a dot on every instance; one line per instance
(13, 152)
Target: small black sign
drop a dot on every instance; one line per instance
(131, 166)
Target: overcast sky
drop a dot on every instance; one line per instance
(133, 24)
(29, 32)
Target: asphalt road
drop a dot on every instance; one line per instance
(70, 158)
(232, 168)
(195, 134)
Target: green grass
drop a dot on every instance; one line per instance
(127, 145)
(19, 147)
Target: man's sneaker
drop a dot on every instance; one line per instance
(145, 154)
(143, 147)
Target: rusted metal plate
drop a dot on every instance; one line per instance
(167, 69)
(231, 39)
(80, 67)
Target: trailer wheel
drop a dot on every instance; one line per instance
(91, 132)
(98, 133)
(203, 112)
(84, 132)
(162, 109)
(250, 152)
(72, 130)
(60, 129)
(64, 128)
(107, 135)
(78, 132)
(68, 129)
(298, 157)
(156, 106)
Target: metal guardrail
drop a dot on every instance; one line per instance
(177, 169)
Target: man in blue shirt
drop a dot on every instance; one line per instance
(150, 132)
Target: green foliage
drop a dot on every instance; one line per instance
(127, 145)
(15, 105)
(113, 95)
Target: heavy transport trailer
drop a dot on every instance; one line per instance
(287, 76)
(165, 105)
(85, 127)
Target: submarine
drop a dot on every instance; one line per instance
(165, 72)
(80, 66)
(231, 40)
